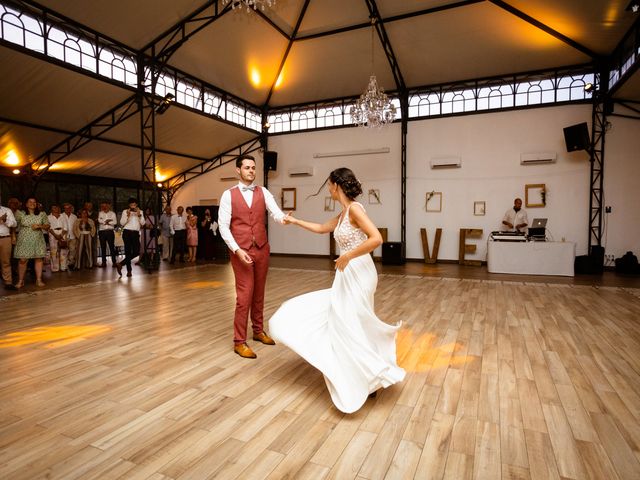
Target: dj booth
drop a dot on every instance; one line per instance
(531, 258)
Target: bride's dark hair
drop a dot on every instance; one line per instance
(347, 181)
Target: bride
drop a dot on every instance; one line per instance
(336, 330)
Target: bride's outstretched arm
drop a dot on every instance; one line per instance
(326, 227)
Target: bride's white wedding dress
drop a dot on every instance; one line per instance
(336, 330)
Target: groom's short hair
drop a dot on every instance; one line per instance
(244, 157)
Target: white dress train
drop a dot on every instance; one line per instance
(337, 331)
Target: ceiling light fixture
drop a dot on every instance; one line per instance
(16, 172)
(373, 108)
(634, 6)
(589, 87)
(249, 4)
(165, 103)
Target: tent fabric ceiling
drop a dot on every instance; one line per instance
(241, 53)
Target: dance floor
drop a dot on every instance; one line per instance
(508, 378)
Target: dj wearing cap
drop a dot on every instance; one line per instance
(515, 219)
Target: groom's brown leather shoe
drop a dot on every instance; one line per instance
(244, 351)
(264, 338)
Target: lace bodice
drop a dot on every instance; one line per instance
(347, 236)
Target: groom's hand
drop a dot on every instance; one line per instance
(288, 219)
(244, 256)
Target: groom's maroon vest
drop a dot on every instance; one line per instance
(247, 223)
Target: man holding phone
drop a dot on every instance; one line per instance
(132, 221)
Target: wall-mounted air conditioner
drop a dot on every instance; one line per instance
(302, 171)
(446, 162)
(537, 158)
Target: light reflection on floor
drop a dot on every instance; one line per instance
(213, 284)
(417, 354)
(57, 335)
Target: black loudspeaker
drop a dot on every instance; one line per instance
(392, 253)
(577, 137)
(592, 264)
(597, 259)
(270, 161)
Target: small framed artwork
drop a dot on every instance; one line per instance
(479, 208)
(374, 197)
(288, 198)
(535, 195)
(434, 201)
(329, 204)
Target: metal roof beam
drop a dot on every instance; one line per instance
(286, 52)
(245, 148)
(628, 48)
(386, 44)
(166, 44)
(105, 122)
(99, 139)
(545, 28)
(394, 18)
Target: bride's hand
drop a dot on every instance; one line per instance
(342, 261)
(289, 219)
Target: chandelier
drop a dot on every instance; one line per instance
(373, 108)
(249, 4)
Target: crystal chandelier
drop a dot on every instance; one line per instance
(373, 108)
(249, 4)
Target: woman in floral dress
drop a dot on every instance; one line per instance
(32, 224)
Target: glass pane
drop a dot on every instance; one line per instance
(72, 193)
(46, 194)
(122, 197)
(99, 194)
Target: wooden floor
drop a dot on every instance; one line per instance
(136, 378)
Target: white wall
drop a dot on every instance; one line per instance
(489, 146)
(379, 171)
(622, 186)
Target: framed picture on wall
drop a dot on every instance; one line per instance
(479, 208)
(329, 204)
(288, 198)
(374, 196)
(433, 201)
(535, 195)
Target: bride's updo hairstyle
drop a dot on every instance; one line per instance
(347, 181)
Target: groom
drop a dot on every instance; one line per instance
(241, 220)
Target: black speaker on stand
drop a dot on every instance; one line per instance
(270, 161)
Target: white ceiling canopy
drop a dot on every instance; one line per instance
(297, 52)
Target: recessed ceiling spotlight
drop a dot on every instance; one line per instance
(634, 6)
(16, 171)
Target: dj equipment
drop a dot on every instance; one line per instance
(508, 237)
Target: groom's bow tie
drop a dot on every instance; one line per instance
(247, 188)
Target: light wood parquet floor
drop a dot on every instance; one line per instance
(136, 379)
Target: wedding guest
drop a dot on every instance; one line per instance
(31, 224)
(84, 231)
(192, 238)
(72, 246)
(132, 221)
(106, 223)
(166, 238)
(7, 222)
(179, 232)
(58, 246)
(209, 229)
